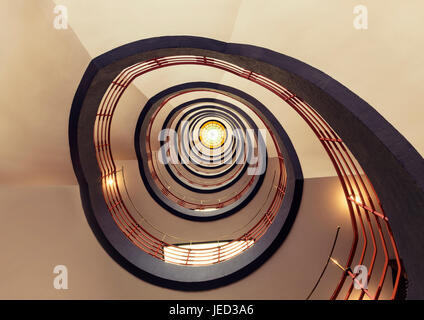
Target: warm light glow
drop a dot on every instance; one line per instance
(337, 264)
(206, 209)
(178, 254)
(356, 199)
(110, 182)
(212, 134)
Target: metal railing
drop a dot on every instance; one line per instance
(119, 209)
(363, 205)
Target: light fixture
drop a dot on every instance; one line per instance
(213, 251)
(353, 276)
(212, 134)
(356, 199)
(206, 209)
(337, 264)
(110, 182)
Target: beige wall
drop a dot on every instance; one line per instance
(41, 66)
(42, 223)
(383, 64)
(40, 71)
(49, 228)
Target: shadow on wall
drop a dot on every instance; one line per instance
(43, 70)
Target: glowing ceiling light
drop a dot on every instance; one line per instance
(212, 134)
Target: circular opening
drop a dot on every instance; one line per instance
(212, 134)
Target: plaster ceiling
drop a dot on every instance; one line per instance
(43, 66)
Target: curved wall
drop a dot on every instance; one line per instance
(393, 165)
